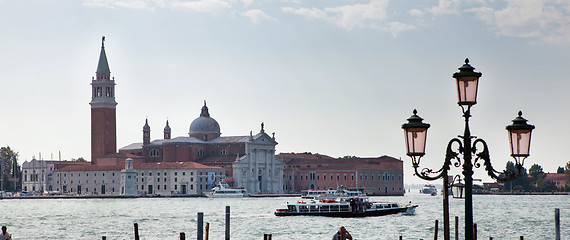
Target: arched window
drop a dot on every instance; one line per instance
(200, 152)
(154, 153)
(224, 152)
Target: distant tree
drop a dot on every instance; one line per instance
(8, 167)
(560, 170)
(80, 159)
(567, 172)
(520, 183)
(535, 171)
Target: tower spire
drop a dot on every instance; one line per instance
(103, 66)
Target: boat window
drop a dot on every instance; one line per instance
(394, 205)
(344, 208)
(303, 209)
(335, 208)
(314, 208)
(292, 208)
(324, 208)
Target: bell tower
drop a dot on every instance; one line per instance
(103, 114)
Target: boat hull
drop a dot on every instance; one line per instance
(373, 213)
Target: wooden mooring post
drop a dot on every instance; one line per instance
(200, 229)
(104, 238)
(207, 230)
(137, 231)
(266, 236)
(182, 236)
(435, 230)
(557, 222)
(227, 222)
(475, 231)
(456, 228)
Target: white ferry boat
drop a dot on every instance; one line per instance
(312, 193)
(345, 207)
(223, 190)
(429, 189)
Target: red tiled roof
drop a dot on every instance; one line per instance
(160, 165)
(173, 165)
(317, 161)
(555, 176)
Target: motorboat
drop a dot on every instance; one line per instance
(429, 189)
(223, 190)
(345, 207)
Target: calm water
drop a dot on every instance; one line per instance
(502, 217)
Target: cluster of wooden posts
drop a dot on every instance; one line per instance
(200, 232)
(556, 226)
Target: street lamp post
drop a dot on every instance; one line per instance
(416, 136)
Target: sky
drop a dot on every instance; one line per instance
(334, 77)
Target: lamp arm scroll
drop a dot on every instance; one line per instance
(508, 174)
(429, 174)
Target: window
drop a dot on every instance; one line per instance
(345, 177)
(157, 179)
(200, 152)
(191, 179)
(158, 173)
(175, 179)
(175, 173)
(183, 173)
(165, 179)
(154, 153)
(352, 177)
(175, 187)
(224, 152)
(157, 187)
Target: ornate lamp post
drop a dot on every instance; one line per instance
(416, 135)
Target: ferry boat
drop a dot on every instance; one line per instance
(223, 190)
(345, 207)
(341, 192)
(429, 189)
(312, 193)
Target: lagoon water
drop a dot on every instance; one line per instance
(500, 217)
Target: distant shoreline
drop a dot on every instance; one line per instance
(521, 193)
(103, 196)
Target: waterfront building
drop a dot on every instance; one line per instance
(131, 179)
(248, 161)
(379, 176)
(37, 175)
(558, 180)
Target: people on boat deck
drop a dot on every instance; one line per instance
(338, 234)
(5, 235)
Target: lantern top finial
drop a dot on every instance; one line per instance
(519, 123)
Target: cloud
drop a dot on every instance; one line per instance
(257, 16)
(347, 16)
(446, 7)
(416, 12)
(209, 6)
(132, 4)
(542, 19)
(397, 27)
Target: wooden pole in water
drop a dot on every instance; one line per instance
(265, 236)
(104, 238)
(456, 228)
(200, 233)
(445, 190)
(182, 236)
(557, 222)
(435, 230)
(522, 237)
(207, 230)
(400, 238)
(227, 222)
(474, 231)
(137, 231)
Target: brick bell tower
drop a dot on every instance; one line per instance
(103, 114)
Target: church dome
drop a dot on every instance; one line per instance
(204, 124)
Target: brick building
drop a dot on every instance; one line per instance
(379, 176)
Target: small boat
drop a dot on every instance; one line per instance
(223, 190)
(429, 189)
(345, 207)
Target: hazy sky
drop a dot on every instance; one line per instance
(327, 76)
